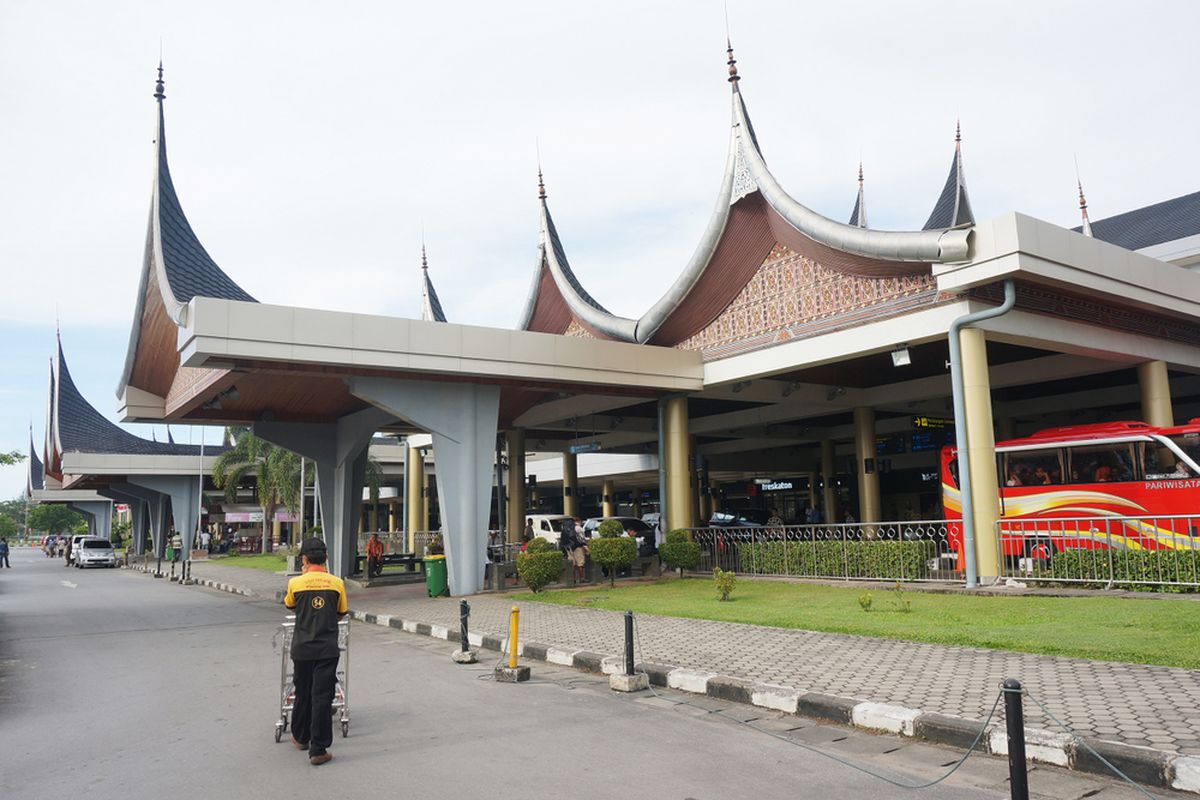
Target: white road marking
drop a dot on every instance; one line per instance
(69, 585)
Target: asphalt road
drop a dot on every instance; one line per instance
(122, 686)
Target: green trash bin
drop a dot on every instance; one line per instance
(435, 576)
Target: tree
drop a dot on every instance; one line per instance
(11, 457)
(54, 518)
(8, 528)
(612, 549)
(276, 474)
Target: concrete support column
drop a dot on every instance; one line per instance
(813, 477)
(867, 465)
(414, 494)
(609, 499)
(694, 487)
(426, 500)
(714, 497)
(637, 503)
(462, 419)
(339, 451)
(391, 515)
(514, 443)
(981, 449)
(276, 532)
(828, 474)
(674, 431)
(570, 472)
(184, 494)
(1155, 386)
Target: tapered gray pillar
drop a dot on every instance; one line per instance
(139, 501)
(99, 513)
(339, 451)
(184, 493)
(463, 420)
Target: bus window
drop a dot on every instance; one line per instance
(1103, 463)
(1170, 466)
(1033, 468)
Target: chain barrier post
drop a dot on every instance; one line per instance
(628, 642)
(1014, 720)
(464, 613)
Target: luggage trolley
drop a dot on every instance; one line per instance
(287, 686)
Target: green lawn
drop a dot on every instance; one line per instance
(271, 562)
(1165, 632)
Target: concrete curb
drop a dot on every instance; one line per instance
(1158, 768)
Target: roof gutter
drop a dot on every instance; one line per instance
(960, 429)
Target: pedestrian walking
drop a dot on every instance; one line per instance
(574, 542)
(67, 552)
(4, 553)
(318, 599)
(374, 556)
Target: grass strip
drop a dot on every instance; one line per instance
(1139, 631)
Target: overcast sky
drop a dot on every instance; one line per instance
(312, 143)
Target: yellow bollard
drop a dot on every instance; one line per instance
(513, 626)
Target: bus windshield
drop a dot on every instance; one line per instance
(1174, 467)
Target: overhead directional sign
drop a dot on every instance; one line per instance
(587, 447)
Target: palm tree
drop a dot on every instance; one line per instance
(276, 474)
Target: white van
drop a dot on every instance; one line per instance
(548, 526)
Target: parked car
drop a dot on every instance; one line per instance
(548, 526)
(633, 527)
(75, 542)
(92, 551)
(739, 518)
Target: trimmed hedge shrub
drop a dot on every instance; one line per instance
(678, 551)
(1177, 566)
(539, 564)
(613, 553)
(610, 529)
(725, 580)
(893, 561)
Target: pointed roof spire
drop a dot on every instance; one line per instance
(858, 217)
(732, 62)
(431, 306)
(159, 94)
(541, 184)
(1087, 223)
(953, 207)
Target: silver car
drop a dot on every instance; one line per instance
(93, 551)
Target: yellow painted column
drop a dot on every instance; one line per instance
(391, 515)
(637, 503)
(1155, 386)
(828, 474)
(981, 449)
(865, 451)
(426, 498)
(276, 533)
(514, 443)
(570, 471)
(714, 497)
(414, 502)
(609, 499)
(675, 446)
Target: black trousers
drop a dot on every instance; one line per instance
(374, 566)
(312, 713)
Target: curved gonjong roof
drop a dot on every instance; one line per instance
(752, 213)
(175, 268)
(35, 477)
(953, 208)
(431, 307)
(79, 428)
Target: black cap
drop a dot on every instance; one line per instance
(312, 547)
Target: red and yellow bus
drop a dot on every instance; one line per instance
(1125, 485)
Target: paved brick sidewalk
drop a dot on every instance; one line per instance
(1130, 703)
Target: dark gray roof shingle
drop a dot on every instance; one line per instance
(952, 208)
(1154, 224)
(435, 305)
(190, 270)
(83, 429)
(37, 476)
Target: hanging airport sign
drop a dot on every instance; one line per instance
(586, 447)
(923, 422)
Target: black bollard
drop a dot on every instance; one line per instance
(1014, 718)
(628, 642)
(464, 612)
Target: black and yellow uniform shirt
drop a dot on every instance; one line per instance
(319, 599)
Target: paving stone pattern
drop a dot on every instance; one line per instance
(1130, 703)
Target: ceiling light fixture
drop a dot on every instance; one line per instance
(901, 357)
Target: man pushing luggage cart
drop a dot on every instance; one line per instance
(319, 600)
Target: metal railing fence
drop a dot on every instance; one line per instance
(1102, 552)
(891, 551)
(397, 542)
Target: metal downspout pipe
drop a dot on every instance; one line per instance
(960, 428)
